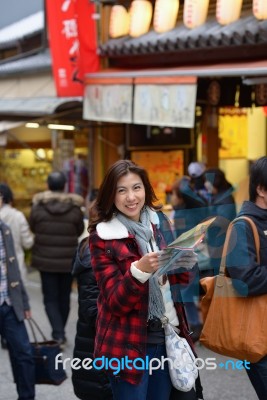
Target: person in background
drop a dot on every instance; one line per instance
(189, 209)
(196, 171)
(16, 220)
(125, 241)
(22, 235)
(14, 308)
(222, 206)
(57, 221)
(87, 383)
(250, 277)
(183, 197)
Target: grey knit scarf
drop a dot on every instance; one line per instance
(143, 234)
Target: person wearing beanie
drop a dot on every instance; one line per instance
(196, 171)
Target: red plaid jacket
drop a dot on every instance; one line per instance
(123, 300)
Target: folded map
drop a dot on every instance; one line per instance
(183, 245)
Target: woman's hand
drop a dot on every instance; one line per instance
(187, 260)
(149, 262)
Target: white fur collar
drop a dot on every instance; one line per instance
(114, 229)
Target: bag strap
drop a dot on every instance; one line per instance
(34, 326)
(227, 239)
(165, 227)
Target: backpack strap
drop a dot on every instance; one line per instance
(228, 234)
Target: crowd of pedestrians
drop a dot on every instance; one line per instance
(121, 303)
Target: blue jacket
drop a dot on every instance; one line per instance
(17, 293)
(249, 277)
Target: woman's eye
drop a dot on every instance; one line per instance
(121, 191)
(137, 187)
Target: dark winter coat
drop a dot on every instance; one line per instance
(222, 206)
(18, 296)
(123, 300)
(56, 220)
(249, 277)
(87, 384)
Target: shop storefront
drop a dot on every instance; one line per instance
(228, 64)
(193, 91)
(39, 132)
(220, 133)
(43, 56)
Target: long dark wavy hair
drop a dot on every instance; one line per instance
(104, 207)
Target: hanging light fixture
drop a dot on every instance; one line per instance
(195, 13)
(32, 125)
(260, 9)
(61, 127)
(140, 17)
(165, 15)
(227, 12)
(119, 22)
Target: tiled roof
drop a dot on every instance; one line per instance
(19, 30)
(246, 31)
(36, 63)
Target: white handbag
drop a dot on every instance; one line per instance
(182, 366)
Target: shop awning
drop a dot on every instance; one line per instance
(165, 96)
(37, 106)
(109, 100)
(138, 99)
(242, 69)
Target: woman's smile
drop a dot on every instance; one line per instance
(130, 196)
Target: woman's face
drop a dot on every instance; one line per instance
(130, 196)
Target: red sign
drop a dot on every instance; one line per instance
(73, 45)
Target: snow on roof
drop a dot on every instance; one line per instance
(22, 28)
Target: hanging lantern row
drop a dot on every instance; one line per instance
(137, 20)
(225, 14)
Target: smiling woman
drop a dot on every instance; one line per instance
(126, 236)
(130, 196)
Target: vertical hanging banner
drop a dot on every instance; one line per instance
(73, 44)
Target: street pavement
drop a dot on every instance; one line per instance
(223, 383)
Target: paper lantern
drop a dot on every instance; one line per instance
(228, 11)
(119, 22)
(140, 17)
(260, 9)
(165, 15)
(195, 12)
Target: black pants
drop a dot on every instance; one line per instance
(56, 288)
